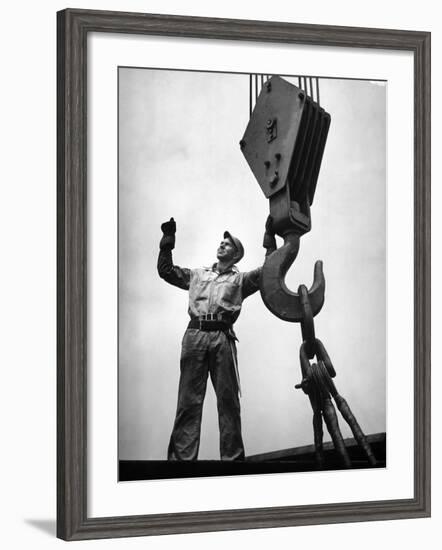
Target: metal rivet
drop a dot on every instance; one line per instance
(274, 180)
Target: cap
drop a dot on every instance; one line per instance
(238, 245)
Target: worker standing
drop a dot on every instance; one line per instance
(216, 294)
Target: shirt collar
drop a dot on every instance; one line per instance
(212, 267)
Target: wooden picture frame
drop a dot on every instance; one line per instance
(74, 25)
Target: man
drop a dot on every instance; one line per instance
(215, 298)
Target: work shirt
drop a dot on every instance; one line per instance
(209, 290)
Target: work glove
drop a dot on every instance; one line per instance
(269, 241)
(169, 230)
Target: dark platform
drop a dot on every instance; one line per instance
(297, 459)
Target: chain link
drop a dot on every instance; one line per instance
(317, 383)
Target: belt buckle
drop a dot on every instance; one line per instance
(207, 318)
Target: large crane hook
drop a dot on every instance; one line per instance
(281, 301)
(284, 143)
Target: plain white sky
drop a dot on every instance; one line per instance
(179, 156)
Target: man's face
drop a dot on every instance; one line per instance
(226, 251)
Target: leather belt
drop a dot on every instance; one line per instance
(210, 322)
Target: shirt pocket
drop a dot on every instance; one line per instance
(199, 291)
(229, 294)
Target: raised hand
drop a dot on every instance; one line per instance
(269, 242)
(269, 225)
(169, 228)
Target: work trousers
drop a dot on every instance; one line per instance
(205, 353)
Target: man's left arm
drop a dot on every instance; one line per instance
(251, 278)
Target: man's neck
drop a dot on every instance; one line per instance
(221, 266)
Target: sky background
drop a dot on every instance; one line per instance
(179, 156)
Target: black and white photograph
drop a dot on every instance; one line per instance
(252, 266)
(219, 241)
(243, 274)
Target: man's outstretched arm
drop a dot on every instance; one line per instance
(251, 278)
(173, 274)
